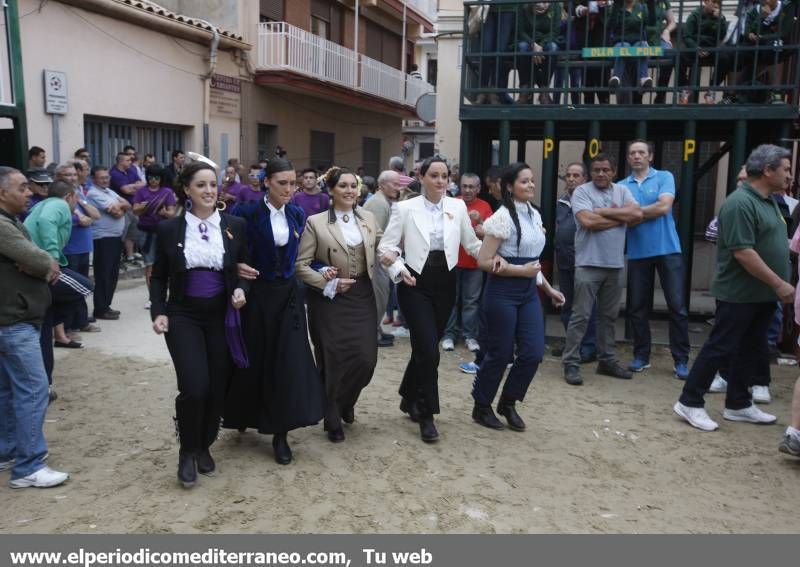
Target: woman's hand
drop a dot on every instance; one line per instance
(238, 299)
(557, 297)
(538, 60)
(161, 324)
(532, 269)
(408, 279)
(389, 258)
(499, 265)
(246, 272)
(344, 284)
(330, 273)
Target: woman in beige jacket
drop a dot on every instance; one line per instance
(336, 260)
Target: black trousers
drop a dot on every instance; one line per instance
(739, 335)
(107, 255)
(203, 365)
(80, 318)
(426, 308)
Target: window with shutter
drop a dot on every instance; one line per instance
(271, 10)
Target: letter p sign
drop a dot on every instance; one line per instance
(548, 147)
(689, 146)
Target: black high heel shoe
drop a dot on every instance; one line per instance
(187, 469)
(280, 445)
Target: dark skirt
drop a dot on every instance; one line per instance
(345, 345)
(281, 390)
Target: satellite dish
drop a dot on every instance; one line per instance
(199, 157)
(426, 107)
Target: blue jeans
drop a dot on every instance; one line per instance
(496, 37)
(641, 280)
(23, 399)
(774, 331)
(464, 319)
(620, 64)
(513, 316)
(566, 283)
(739, 336)
(543, 72)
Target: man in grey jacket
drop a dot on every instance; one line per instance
(25, 272)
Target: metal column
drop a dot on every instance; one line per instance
(686, 203)
(549, 180)
(505, 142)
(737, 156)
(641, 133)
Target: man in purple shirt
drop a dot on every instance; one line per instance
(152, 204)
(125, 182)
(311, 199)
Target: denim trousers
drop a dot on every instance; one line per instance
(622, 63)
(464, 319)
(603, 286)
(739, 335)
(23, 399)
(542, 72)
(566, 283)
(513, 317)
(641, 282)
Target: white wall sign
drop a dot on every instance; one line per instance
(55, 92)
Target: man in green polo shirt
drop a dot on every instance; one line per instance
(752, 273)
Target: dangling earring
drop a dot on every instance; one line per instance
(188, 205)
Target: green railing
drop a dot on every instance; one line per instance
(641, 52)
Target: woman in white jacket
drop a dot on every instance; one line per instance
(420, 249)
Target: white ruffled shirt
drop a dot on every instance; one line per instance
(280, 226)
(201, 253)
(350, 230)
(500, 225)
(436, 211)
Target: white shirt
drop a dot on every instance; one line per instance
(436, 212)
(204, 253)
(350, 230)
(280, 226)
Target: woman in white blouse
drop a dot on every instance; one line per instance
(336, 260)
(195, 295)
(511, 311)
(420, 249)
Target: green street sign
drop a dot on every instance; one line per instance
(590, 52)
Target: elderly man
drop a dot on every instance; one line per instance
(25, 272)
(469, 278)
(602, 210)
(752, 274)
(654, 246)
(380, 205)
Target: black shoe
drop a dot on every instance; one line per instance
(507, 409)
(484, 415)
(572, 375)
(205, 462)
(387, 337)
(187, 469)
(107, 316)
(427, 430)
(349, 415)
(336, 435)
(385, 342)
(280, 446)
(557, 350)
(114, 312)
(411, 409)
(586, 358)
(91, 320)
(614, 370)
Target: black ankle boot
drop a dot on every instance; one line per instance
(187, 469)
(427, 430)
(336, 435)
(349, 415)
(205, 462)
(507, 409)
(280, 445)
(411, 409)
(485, 416)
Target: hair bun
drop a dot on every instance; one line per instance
(332, 172)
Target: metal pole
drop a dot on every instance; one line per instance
(403, 50)
(355, 46)
(592, 147)
(466, 153)
(641, 130)
(505, 142)
(686, 203)
(549, 178)
(56, 139)
(737, 155)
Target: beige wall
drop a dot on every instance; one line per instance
(448, 83)
(297, 114)
(117, 70)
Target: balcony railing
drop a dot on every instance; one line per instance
(282, 46)
(576, 51)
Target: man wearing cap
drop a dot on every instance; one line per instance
(25, 272)
(38, 182)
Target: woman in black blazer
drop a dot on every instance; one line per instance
(195, 296)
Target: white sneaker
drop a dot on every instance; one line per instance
(719, 385)
(697, 417)
(147, 305)
(761, 394)
(401, 333)
(750, 415)
(472, 345)
(447, 344)
(45, 477)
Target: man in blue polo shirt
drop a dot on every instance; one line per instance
(653, 245)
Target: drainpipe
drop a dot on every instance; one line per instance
(212, 67)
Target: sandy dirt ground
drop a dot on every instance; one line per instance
(607, 457)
